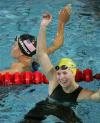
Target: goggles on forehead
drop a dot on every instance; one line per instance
(63, 67)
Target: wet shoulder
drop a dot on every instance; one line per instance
(17, 66)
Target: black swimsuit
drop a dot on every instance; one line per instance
(60, 96)
(55, 107)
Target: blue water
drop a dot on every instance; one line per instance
(81, 43)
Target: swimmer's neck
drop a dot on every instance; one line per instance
(70, 89)
(25, 59)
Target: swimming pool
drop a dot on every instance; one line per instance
(81, 44)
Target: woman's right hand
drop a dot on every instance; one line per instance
(64, 14)
(46, 19)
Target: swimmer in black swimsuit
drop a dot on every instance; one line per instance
(56, 105)
(63, 89)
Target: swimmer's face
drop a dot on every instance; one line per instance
(65, 77)
(16, 53)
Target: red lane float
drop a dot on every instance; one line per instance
(39, 78)
(86, 75)
(22, 78)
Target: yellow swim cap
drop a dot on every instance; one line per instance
(68, 62)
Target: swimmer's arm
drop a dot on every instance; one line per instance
(64, 16)
(96, 96)
(41, 53)
(89, 95)
(15, 67)
(59, 39)
(42, 56)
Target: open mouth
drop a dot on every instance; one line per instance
(65, 82)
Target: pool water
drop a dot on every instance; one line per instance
(81, 43)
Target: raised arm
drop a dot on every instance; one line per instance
(42, 56)
(64, 16)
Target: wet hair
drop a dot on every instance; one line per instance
(27, 44)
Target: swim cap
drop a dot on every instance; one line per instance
(68, 62)
(27, 44)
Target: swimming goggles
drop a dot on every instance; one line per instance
(63, 67)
